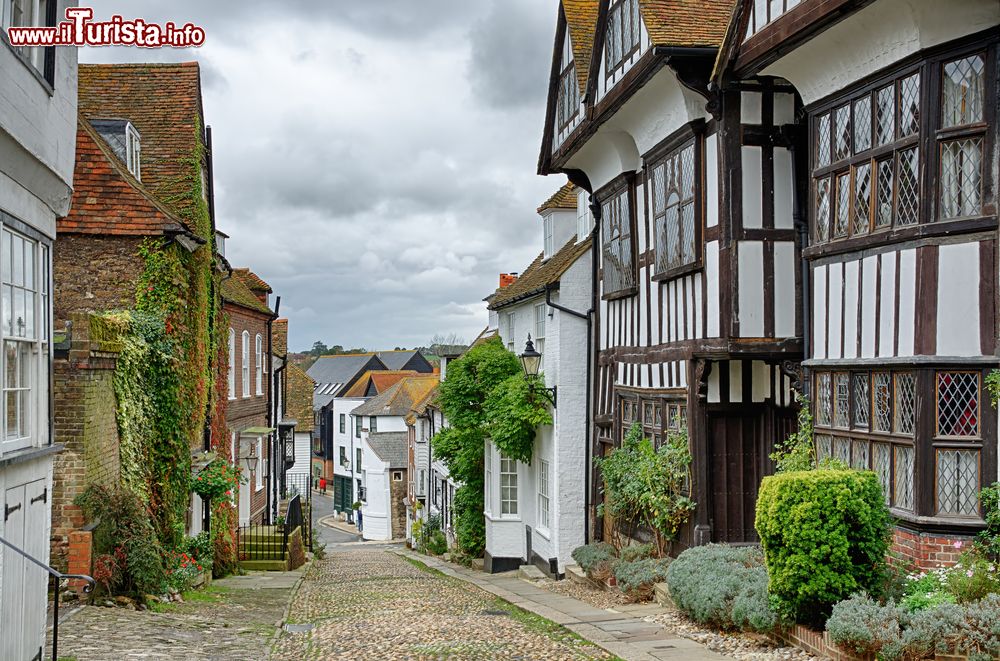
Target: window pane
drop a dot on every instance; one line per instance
(882, 401)
(958, 404)
(961, 178)
(841, 401)
(29, 265)
(882, 465)
(17, 261)
(885, 116)
(859, 455)
(687, 173)
(824, 447)
(20, 322)
(862, 198)
(862, 402)
(962, 92)
(883, 195)
(842, 219)
(823, 141)
(863, 124)
(10, 365)
(958, 482)
(907, 188)
(672, 225)
(823, 209)
(909, 105)
(824, 399)
(5, 258)
(659, 198)
(842, 133)
(906, 402)
(842, 450)
(687, 233)
(903, 487)
(7, 295)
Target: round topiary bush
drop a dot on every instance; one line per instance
(722, 586)
(825, 535)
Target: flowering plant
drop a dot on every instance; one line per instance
(217, 480)
(971, 579)
(182, 570)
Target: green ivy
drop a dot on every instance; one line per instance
(798, 451)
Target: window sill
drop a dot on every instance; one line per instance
(544, 533)
(621, 293)
(677, 272)
(900, 234)
(25, 455)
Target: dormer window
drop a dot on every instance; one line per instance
(547, 223)
(133, 150)
(568, 97)
(622, 37)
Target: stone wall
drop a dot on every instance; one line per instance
(94, 273)
(85, 423)
(397, 510)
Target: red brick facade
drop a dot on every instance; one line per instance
(928, 551)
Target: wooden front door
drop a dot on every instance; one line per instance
(23, 595)
(739, 445)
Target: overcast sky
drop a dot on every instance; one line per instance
(374, 161)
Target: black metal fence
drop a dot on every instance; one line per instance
(261, 542)
(300, 485)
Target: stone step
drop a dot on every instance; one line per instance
(530, 573)
(264, 565)
(576, 574)
(662, 595)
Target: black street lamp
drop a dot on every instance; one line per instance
(251, 461)
(531, 360)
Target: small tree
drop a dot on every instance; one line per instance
(648, 486)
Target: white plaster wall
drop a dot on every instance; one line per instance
(563, 226)
(876, 37)
(375, 511)
(751, 290)
(347, 439)
(958, 300)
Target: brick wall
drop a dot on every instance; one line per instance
(94, 273)
(927, 551)
(397, 493)
(84, 402)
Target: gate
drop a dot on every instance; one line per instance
(300, 485)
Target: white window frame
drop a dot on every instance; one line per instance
(540, 312)
(33, 14)
(508, 488)
(544, 494)
(583, 223)
(133, 151)
(245, 367)
(28, 339)
(510, 330)
(259, 366)
(232, 364)
(259, 473)
(549, 232)
(488, 461)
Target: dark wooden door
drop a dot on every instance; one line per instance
(739, 445)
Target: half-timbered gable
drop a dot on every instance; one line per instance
(898, 189)
(571, 61)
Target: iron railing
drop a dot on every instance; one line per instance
(55, 577)
(301, 485)
(261, 542)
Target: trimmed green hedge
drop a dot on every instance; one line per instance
(825, 535)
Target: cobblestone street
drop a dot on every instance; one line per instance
(377, 605)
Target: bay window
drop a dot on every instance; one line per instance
(508, 486)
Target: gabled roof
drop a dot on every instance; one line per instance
(107, 199)
(564, 198)
(299, 404)
(341, 370)
(428, 400)
(397, 360)
(540, 274)
(686, 22)
(279, 337)
(377, 380)
(235, 292)
(253, 281)
(163, 102)
(399, 398)
(581, 21)
(390, 447)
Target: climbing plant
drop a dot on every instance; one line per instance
(798, 451)
(484, 396)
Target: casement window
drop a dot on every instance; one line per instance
(24, 291)
(343, 456)
(133, 151)
(624, 31)
(889, 155)
(568, 94)
(261, 462)
(343, 423)
(544, 495)
(675, 182)
(421, 486)
(584, 222)
(488, 463)
(245, 372)
(357, 461)
(549, 243)
(259, 363)
(508, 486)
(761, 13)
(657, 416)
(232, 364)
(509, 317)
(373, 424)
(540, 312)
(618, 263)
(32, 13)
(357, 426)
(957, 442)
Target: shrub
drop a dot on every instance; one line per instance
(825, 535)
(636, 578)
(930, 631)
(972, 579)
(637, 552)
(925, 590)
(595, 559)
(798, 451)
(988, 540)
(723, 586)
(979, 636)
(437, 543)
(862, 625)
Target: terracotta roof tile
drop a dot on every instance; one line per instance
(400, 398)
(381, 379)
(235, 292)
(107, 199)
(279, 339)
(539, 274)
(300, 398)
(564, 198)
(686, 22)
(581, 20)
(252, 280)
(163, 102)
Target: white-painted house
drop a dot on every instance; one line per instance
(38, 126)
(536, 513)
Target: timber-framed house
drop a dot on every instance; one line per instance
(896, 159)
(697, 295)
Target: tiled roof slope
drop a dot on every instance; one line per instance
(342, 368)
(395, 360)
(564, 198)
(300, 398)
(540, 273)
(382, 379)
(107, 199)
(581, 20)
(400, 398)
(391, 447)
(279, 338)
(163, 101)
(235, 292)
(686, 22)
(252, 280)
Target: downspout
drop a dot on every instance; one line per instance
(272, 502)
(595, 210)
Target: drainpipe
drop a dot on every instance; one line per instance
(272, 501)
(595, 210)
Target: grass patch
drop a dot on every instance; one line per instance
(421, 566)
(545, 626)
(208, 595)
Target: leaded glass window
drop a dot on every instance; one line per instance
(843, 216)
(623, 33)
(903, 485)
(842, 133)
(882, 465)
(616, 222)
(859, 454)
(862, 198)
(863, 124)
(907, 186)
(906, 402)
(882, 401)
(958, 404)
(842, 399)
(962, 177)
(823, 209)
(883, 194)
(842, 450)
(885, 116)
(673, 192)
(862, 402)
(909, 105)
(824, 447)
(958, 482)
(824, 399)
(963, 91)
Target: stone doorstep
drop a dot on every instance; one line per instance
(530, 573)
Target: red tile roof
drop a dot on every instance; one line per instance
(107, 199)
(381, 379)
(252, 280)
(235, 292)
(564, 198)
(163, 102)
(581, 21)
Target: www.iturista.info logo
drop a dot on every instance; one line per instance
(79, 29)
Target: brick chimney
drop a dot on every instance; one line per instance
(507, 279)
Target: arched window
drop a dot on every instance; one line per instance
(232, 364)
(246, 364)
(259, 365)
